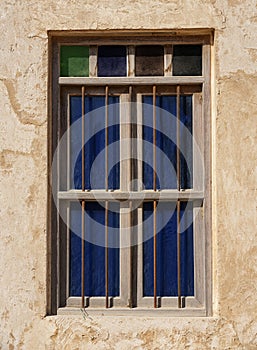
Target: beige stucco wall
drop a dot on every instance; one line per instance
(23, 118)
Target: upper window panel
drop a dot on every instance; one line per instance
(96, 144)
(187, 60)
(74, 61)
(149, 60)
(112, 61)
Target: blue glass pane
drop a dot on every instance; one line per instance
(166, 156)
(95, 145)
(167, 280)
(75, 251)
(112, 61)
(187, 251)
(166, 168)
(186, 142)
(94, 255)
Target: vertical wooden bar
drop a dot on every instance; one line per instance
(209, 108)
(68, 144)
(132, 141)
(93, 49)
(131, 280)
(106, 203)
(140, 208)
(83, 202)
(179, 255)
(155, 254)
(83, 254)
(125, 217)
(83, 138)
(154, 138)
(131, 294)
(178, 139)
(154, 203)
(106, 258)
(168, 51)
(178, 202)
(68, 251)
(52, 235)
(131, 61)
(106, 136)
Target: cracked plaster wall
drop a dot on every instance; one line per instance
(23, 155)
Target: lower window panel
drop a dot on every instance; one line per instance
(167, 250)
(94, 262)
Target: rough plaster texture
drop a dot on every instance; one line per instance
(23, 100)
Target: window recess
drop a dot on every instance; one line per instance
(131, 233)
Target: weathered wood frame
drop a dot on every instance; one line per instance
(56, 277)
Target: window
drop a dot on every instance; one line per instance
(129, 173)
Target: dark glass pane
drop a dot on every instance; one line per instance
(149, 60)
(112, 61)
(94, 254)
(167, 278)
(165, 142)
(187, 60)
(74, 61)
(95, 146)
(186, 142)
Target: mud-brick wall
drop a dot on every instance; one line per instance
(23, 159)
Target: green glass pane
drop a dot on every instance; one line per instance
(74, 61)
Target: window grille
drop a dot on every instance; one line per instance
(130, 85)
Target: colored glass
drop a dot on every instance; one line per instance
(149, 60)
(187, 60)
(95, 142)
(111, 61)
(94, 264)
(167, 276)
(74, 61)
(166, 149)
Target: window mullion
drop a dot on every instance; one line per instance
(93, 49)
(125, 215)
(131, 61)
(168, 60)
(197, 142)
(83, 201)
(206, 59)
(139, 114)
(106, 202)
(154, 202)
(178, 202)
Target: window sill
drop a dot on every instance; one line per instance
(137, 312)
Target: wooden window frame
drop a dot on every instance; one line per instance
(200, 305)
